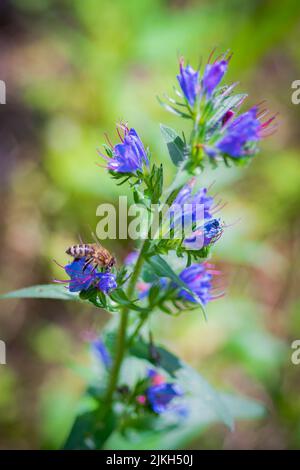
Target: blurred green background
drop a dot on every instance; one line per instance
(72, 70)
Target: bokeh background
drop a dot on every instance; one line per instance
(72, 70)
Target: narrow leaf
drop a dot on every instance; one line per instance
(43, 291)
(173, 110)
(163, 269)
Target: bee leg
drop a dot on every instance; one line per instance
(86, 264)
(95, 267)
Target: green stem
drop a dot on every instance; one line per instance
(137, 330)
(122, 343)
(121, 338)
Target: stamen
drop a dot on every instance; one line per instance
(108, 140)
(268, 132)
(100, 166)
(120, 136)
(103, 155)
(211, 54)
(218, 207)
(271, 119)
(218, 296)
(60, 265)
(233, 223)
(229, 56)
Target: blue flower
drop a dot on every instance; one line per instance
(197, 215)
(206, 235)
(131, 258)
(161, 394)
(83, 276)
(213, 74)
(106, 282)
(101, 353)
(201, 197)
(212, 231)
(80, 278)
(188, 79)
(238, 134)
(198, 278)
(130, 155)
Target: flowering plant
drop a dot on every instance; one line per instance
(141, 390)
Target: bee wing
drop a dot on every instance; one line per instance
(80, 239)
(96, 239)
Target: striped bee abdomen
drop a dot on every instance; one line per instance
(80, 251)
(94, 253)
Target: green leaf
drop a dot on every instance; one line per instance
(43, 291)
(187, 430)
(193, 383)
(242, 407)
(168, 361)
(163, 269)
(175, 144)
(204, 403)
(173, 110)
(120, 297)
(89, 431)
(154, 184)
(200, 390)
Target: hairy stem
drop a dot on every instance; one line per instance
(122, 343)
(137, 330)
(121, 338)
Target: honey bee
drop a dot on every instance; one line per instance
(94, 253)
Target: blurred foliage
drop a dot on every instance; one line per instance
(72, 70)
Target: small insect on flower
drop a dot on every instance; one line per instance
(198, 208)
(94, 253)
(83, 276)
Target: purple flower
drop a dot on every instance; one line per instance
(208, 234)
(106, 282)
(212, 230)
(130, 155)
(80, 278)
(196, 215)
(83, 276)
(241, 131)
(198, 278)
(161, 394)
(213, 74)
(131, 258)
(201, 197)
(188, 79)
(101, 353)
